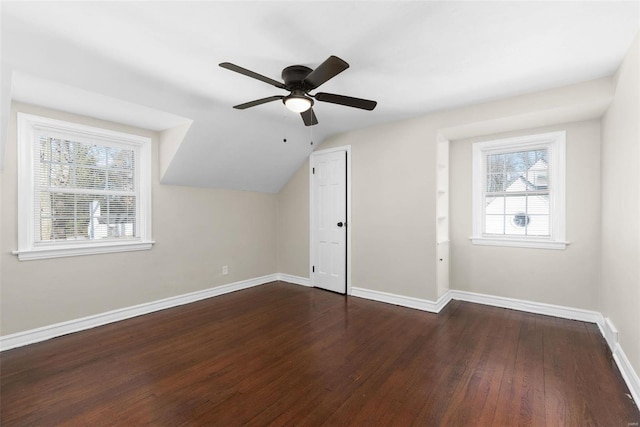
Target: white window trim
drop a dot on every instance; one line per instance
(27, 248)
(555, 142)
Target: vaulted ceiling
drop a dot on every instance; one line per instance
(155, 65)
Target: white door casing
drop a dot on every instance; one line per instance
(329, 219)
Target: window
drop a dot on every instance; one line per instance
(518, 191)
(81, 190)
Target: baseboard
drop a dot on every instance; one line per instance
(628, 373)
(296, 280)
(401, 300)
(609, 332)
(529, 306)
(502, 302)
(32, 336)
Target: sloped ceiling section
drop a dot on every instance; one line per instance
(155, 65)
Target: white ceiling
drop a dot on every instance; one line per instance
(411, 57)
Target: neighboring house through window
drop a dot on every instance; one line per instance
(82, 190)
(519, 191)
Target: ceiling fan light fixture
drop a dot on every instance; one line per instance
(297, 103)
(298, 80)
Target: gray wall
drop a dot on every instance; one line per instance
(392, 208)
(197, 232)
(567, 277)
(293, 224)
(393, 221)
(621, 207)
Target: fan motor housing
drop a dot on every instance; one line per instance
(294, 75)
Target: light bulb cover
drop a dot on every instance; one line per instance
(297, 103)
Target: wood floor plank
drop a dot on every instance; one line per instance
(521, 398)
(402, 386)
(457, 366)
(282, 354)
(476, 396)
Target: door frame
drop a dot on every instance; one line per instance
(312, 234)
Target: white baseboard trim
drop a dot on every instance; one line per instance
(609, 332)
(529, 306)
(401, 300)
(32, 336)
(296, 280)
(628, 373)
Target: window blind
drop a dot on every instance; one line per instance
(84, 190)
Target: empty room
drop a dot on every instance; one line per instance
(306, 213)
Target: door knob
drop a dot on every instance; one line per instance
(340, 224)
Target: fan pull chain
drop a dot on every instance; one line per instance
(284, 123)
(311, 134)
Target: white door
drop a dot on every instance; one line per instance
(329, 220)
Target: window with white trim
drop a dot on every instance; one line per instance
(81, 189)
(519, 191)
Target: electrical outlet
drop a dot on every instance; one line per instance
(225, 270)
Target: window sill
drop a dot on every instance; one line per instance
(519, 243)
(78, 250)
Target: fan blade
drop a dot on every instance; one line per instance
(365, 104)
(249, 73)
(257, 102)
(330, 68)
(309, 117)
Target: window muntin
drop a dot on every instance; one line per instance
(81, 189)
(518, 191)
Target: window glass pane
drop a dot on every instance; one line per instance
(62, 204)
(61, 151)
(538, 205)
(121, 216)
(496, 182)
(539, 225)
(516, 224)
(538, 175)
(90, 178)
(121, 180)
(120, 158)
(515, 204)
(46, 227)
(520, 220)
(101, 217)
(89, 155)
(494, 224)
(56, 175)
(495, 163)
(494, 205)
(518, 171)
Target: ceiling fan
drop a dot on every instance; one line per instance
(299, 81)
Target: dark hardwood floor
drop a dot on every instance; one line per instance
(282, 354)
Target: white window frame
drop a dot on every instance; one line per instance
(28, 249)
(555, 143)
